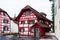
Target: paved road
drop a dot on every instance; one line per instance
(30, 38)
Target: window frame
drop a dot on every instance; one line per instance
(31, 21)
(27, 12)
(5, 28)
(22, 29)
(5, 21)
(32, 29)
(3, 13)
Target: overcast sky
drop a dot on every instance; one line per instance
(15, 6)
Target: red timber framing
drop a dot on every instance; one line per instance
(40, 22)
(6, 17)
(27, 18)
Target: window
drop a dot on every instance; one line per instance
(46, 22)
(32, 29)
(4, 14)
(41, 21)
(5, 28)
(22, 22)
(31, 21)
(27, 12)
(22, 29)
(5, 21)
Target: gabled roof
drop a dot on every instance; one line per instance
(1, 10)
(34, 11)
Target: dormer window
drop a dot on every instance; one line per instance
(27, 13)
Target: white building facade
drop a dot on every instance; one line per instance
(57, 18)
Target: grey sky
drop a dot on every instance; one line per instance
(15, 6)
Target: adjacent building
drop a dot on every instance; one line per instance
(57, 18)
(5, 22)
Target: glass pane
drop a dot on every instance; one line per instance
(22, 22)
(27, 12)
(22, 29)
(5, 21)
(4, 14)
(32, 29)
(5, 28)
(31, 21)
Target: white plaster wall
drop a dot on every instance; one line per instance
(14, 27)
(57, 20)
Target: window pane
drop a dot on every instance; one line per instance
(4, 14)
(22, 22)
(32, 29)
(31, 21)
(27, 12)
(5, 28)
(5, 21)
(22, 29)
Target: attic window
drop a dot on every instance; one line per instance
(27, 13)
(4, 14)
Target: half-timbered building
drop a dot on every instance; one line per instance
(4, 22)
(32, 23)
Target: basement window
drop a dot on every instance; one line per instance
(27, 13)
